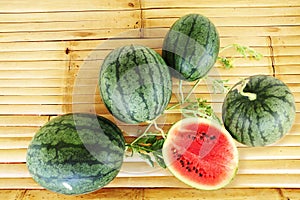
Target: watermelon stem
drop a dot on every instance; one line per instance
(251, 96)
(148, 145)
(226, 47)
(193, 89)
(153, 122)
(142, 135)
(188, 95)
(181, 92)
(159, 129)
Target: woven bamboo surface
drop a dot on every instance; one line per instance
(48, 54)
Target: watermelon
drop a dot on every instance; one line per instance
(76, 153)
(191, 47)
(135, 84)
(258, 110)
(200, 153)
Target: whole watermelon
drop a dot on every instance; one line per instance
(258, 110)
(76, 153)
(135, 84)
(191, 47)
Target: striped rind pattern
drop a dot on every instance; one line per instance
(76, 153)
(262, 121)
(135, 84)
(191, 47)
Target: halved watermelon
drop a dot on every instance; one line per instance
(200, 153)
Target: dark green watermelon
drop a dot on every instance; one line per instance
(76, 153)
(191, 47)
(135, 84)
(259, 110)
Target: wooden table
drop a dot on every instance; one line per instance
(45, 50)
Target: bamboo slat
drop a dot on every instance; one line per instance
(216, 3)
(14, 132)
(240, 181)
(19, 121)
(231, 31)
(88, 34)
(287, 69)
(258, 167)
(287, 60)
(31, 109)
(232, 21)
(105, 194)
(26, 18)
(37, 83)
(58, 6)
(289, 78)
(109, 44)
(226, 194)
(118, 20)
(226, 11)
(285, 40)
(13, 155)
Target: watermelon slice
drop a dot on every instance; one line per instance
(200, 153)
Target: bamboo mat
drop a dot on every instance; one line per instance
(48, 54)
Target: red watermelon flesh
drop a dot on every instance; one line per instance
(200, 153)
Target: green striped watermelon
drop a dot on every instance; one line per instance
(191, 47)
(259, 110)
(135, 84)
(76, 153)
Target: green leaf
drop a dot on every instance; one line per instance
(227, 63)
(247, 52)
(159, 158)
(148, 146)
(148, 138)
(158, 144)
(200, 108)
(147, 158)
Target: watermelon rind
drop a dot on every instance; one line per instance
(135, 84)
(259, 110)
(170, 142)
(191, 47)
(76, 153)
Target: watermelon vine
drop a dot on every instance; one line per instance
(246, 52)
(149, 144)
